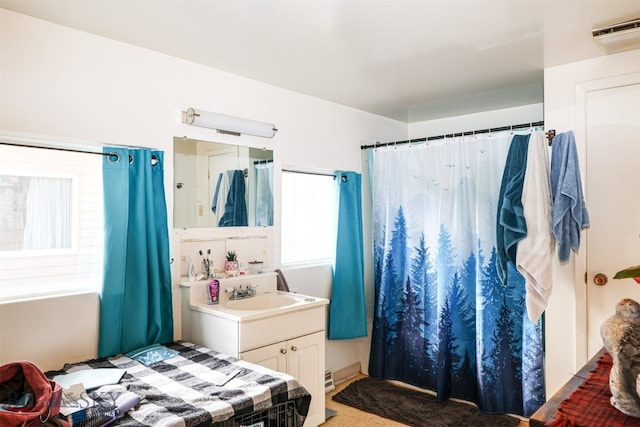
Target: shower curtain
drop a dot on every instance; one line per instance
(443, 320)
(135, 301)
(264, 194)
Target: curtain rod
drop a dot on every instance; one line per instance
(111, 154)
(309, 172)
(451, 135)
(71, 150)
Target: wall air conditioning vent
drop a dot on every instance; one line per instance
(328, 381)
(618, 37)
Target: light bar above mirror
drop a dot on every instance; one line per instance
(228, 124)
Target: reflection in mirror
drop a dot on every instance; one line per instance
(221, 185)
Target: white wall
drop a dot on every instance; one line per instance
(64, 83)
(477, 121)
(49, 331)
(565, 316)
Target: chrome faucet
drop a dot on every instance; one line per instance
(242, 292)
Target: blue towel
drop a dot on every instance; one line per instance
(511, 226)
(569, 213)
(235, 210)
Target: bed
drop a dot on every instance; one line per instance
(182, 390)
(585, 400)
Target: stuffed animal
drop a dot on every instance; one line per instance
(621, 337)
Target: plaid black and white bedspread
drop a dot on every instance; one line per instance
(180, 391)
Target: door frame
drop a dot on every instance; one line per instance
(580, 133)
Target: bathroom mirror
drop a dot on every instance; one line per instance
(221, 185)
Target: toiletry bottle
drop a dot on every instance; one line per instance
(205, 267)
(214, 291)
(192, 270)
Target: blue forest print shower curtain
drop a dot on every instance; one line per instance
(442, 319)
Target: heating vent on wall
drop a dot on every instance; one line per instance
(618, 37)
(328, 381)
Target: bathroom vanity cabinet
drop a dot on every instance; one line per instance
(288, 339)
(302, 358)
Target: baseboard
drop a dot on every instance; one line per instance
(345, 373)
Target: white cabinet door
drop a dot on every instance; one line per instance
(302, 358)
(306, 363)
(272, 356)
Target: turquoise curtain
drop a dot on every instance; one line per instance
(135, 302)
(347, 316)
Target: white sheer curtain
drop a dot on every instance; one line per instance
(48, 215)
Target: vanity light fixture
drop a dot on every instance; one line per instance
(228, 124)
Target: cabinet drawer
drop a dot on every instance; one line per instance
(280, 328)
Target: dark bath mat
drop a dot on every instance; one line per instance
(415, 408)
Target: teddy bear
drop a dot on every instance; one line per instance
(621, 337)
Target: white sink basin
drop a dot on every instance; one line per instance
(262, 302)
(259, 307)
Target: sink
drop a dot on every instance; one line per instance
(261, 306)
(262, 302)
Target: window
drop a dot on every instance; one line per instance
(308, 218)
(51, 226)
(35, 213)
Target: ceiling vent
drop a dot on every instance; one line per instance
(618, 37)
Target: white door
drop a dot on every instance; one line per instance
(612, 190)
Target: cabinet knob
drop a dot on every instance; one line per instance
(294, 348)
(283, 350)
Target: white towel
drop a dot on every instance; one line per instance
(535, 251)
(223, 192)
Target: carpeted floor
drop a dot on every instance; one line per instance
(352, 417)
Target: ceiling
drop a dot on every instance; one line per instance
(407, 60)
